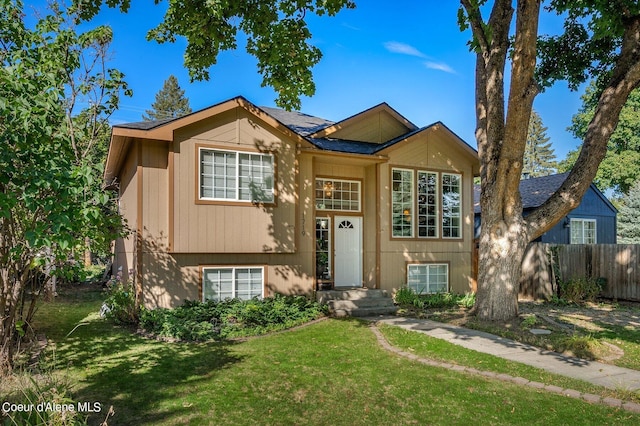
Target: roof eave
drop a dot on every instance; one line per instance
(121, 135)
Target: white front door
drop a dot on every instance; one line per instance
(347, 251)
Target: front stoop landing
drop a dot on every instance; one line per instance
(357, 302)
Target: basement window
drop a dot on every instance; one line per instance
(424, 278)
(243, 283)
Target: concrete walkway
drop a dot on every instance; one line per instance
(606, 375)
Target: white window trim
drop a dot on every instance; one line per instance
(413, 203)
(442, 175)
(428, 265)
(582, 222)
(343, 181)
(438, 204)
(439, 200)
(233, 274)
(237, 177)
(329, 242)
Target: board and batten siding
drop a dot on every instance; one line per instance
(592, 206)
(433, 151)
(174, 249)
(125, 248)
(222, 227)
(377, 127)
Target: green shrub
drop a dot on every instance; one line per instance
(579, 290)
(120, 304)
(580, 346)
(406, 297)
(201, 321)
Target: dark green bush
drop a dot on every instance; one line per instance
(200, 321)
(580, 290)
(407, 297)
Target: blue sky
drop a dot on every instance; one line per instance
(406, 53)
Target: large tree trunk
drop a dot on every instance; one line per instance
(501, 251)
(501, 141)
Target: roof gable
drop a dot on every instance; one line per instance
(375, 131)
(163, 130)
(378, 124)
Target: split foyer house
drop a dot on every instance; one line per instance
(241, 201)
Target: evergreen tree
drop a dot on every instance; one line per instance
(170, 102)
(539, 159)
(629, 217)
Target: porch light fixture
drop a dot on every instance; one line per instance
(328, 189)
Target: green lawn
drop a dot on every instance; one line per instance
(333, 372)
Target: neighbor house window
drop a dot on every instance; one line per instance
(236, 176)
(438, 204)
(402, 202)
(583, 231)
(232, 283)
(337, 194)
(428, 278)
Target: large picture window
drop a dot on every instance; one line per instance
(583, 231)
(428, 278)
(337, 194)
(243, 283)
(236, 176)
(436, 208)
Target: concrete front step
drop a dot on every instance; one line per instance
(350, 294)
(365, 312)
(357, 302)
(360, 303)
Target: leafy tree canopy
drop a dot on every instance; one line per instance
(51, 197)
(600, 41)
(276, 31)
(620, 169)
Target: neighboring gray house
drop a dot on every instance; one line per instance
(592, 222)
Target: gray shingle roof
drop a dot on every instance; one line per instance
(145, 125)
(341, 145)
(304, 125)
(534, 191)
(301, 123)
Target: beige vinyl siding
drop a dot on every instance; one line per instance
(224, 227)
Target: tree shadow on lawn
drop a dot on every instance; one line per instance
(139, 377)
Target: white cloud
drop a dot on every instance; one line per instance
(440, 66)
(404, 49)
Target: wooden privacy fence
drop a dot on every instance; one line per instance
(617, 264)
